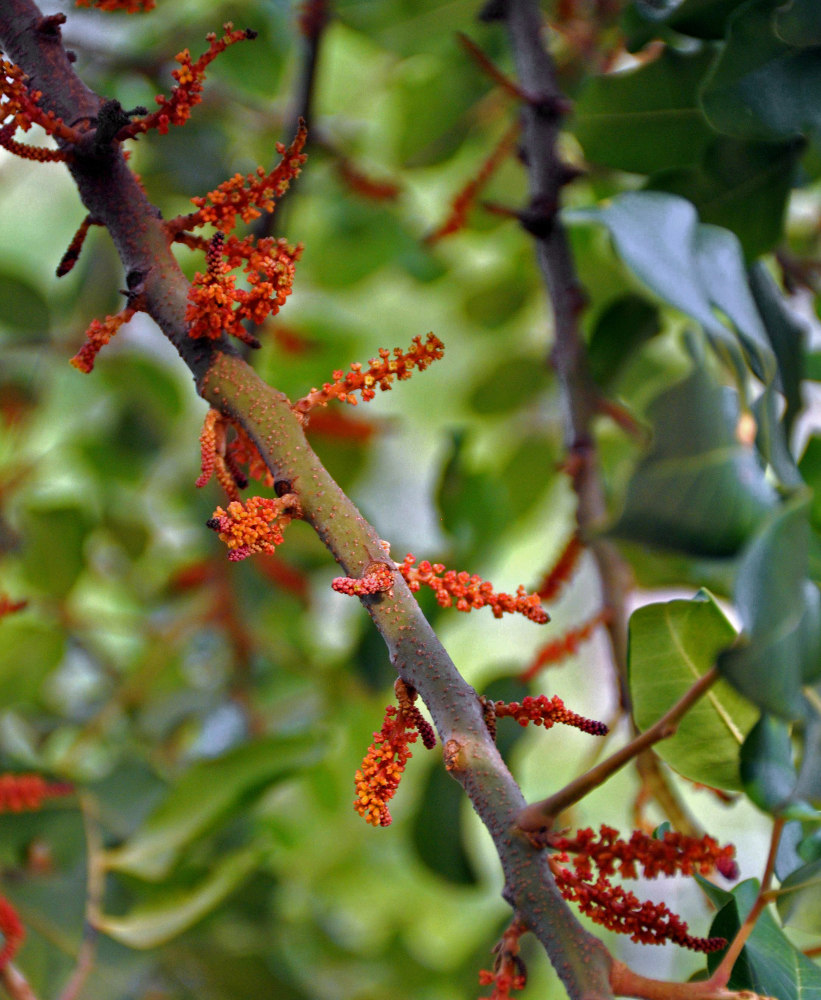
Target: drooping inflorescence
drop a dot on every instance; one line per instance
(565, 645)
(20, 109)
(596, 857)
(129, 6)
(13, 932)
(509, 971)
(378, 778)
(467, 591)
(381, 373)
(98, 335)
(377, 577)
(20, 792)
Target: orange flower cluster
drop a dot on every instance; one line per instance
(13, 932)
(225, 459)
(378, 577)
(544, 711)
(176, 109)
(566, 645)
(247, 197)
(619, 909)
(378, 778)
(129, 6)
(20, 109)
(382, 371)
(97, 336)
(561, 573)
(509, 972)
(470, 591)
(8, 606)
(254, 525)
(19, 792)
(466, 198)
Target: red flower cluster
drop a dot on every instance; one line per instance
(561, 573)
(378, 778)
(378, 577)
(176, 109)
(619, 909)
(469, 591)
(129, 6)
(566, 645)
(383, 370)
(254, 525)
(544, 711)
(509, 972)
(97, 336)
(20, 109)
(466, 198)
(8, 606)
(13, 932)
(19, 792)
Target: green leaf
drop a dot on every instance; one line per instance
(769, 963)
(787, 334)
(731, 174)
(29, 651)
(671, 646)
(512, 383)
(799, 898)
(205, 795)
(647, 119)
(798, 22)
(705, 19)
(55, 533)
(767, 769)
(780, 608)
(174, 910)
(761, 87)
(694, 267)
(623, 326)
(25, 311)
(438, 834)
(698, 490)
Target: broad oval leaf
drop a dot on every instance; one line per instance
(206, 793)
(799, 898)
(671, 646)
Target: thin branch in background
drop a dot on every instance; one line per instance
(16, 984)
(539, 816)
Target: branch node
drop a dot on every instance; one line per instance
(49, 26)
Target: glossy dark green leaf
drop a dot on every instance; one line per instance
(780, 649)
(696, 268)
(787, 334)
(771, 439)
(623, 326)
(799, 898)
(769, 963)
(671, 646)
(207, 793)
(705, 19)
(767, 769)
(761, 87)
(798, 22)
(810, 469)
(698, 489)
(730, 173)
(173, 910)
(647, 119)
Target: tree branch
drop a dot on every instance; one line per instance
(112, 196)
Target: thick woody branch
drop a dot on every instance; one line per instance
(111, 195)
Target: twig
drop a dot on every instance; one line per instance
(538, 816)
(16, 984)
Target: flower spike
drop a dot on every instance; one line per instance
(469, 591)
(556, 650)
(544, 711)
(20, 792)
(13, 931)
(377, 578)
(378, 777)
(97, 336)
(383, 370)
(509, 971)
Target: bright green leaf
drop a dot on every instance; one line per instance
(207, 793)
(799, 898)
(671, 646)
(175, 910)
